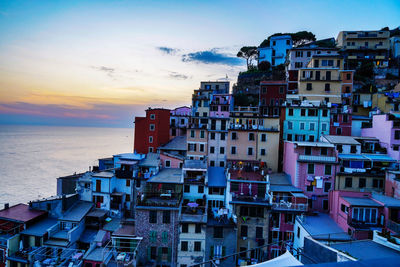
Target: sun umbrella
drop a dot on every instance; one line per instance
(193, 205)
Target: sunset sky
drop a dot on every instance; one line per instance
(100, 63)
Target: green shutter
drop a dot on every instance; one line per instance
(212, 252)
(153, 236)
(169, 255)
(159, 256)
(149, 253)
(164, 237)
(223, 250)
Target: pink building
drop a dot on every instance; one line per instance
(358, 213)
(179, 120)
(312, 167)
(391, 124)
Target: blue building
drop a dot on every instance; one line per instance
(306, 121)
(276, 52)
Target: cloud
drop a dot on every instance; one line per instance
(109, 71)
(168, 50)
(178, 76)
(212, 56)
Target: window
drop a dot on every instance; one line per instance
(338, 131)
(289, 137)
(289, 218)
(348, 182)
(212, 163)
(377, 183)
(324, 126)
(151, 149)
(310, 188)
(152, 116)
(184, 245)
(152, 127)
(290, 125)
(222, 136)
(212, 150)
(197, 246)
(167, 164)
(344, 208)
(281, 90)
(202, 134)
(150, 139)
(192, 134)
(290, 112)
(302, 124)
(233, 150)
(263, 137)
(312, 112)
(201, 147)
(325, 203)
(303, 112)
(250, 151)
(397, 135)
(128, 182)
(328, 169)
(243, 231)
(324, 113)
(185, 228)
(324, 151)
(191, 147)
(311, 138)
(197, 228)
(251, 136)
(362, 182)
(259, 232)
(218, 232)
(310, 168)
(234, 136)
(327, 87)
(307, 150)
(222, 150)
(152, 216)
(298, 232)
(200, 189)
(212, 136)
(153, 253)
(366, 215)
(312, 126)
(186, 188)
(353, 149)
(262, 151)
(166, 216)
(309, 86)
(327, 186)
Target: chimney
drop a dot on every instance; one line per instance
(6, 206)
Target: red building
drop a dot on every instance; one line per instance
(272, 97)
(151, 131)
(293, 77)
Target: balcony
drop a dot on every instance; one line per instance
(289, 206)
(234, 126)
(162, 198)
(123, 174)
(196, 214)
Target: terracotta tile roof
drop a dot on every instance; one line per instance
(21, 212)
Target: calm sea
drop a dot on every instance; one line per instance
(32, 157)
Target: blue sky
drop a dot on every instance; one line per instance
(101, 63)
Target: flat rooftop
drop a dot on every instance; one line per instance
(366, 249)
(40, 228)
(104, 174)
(195, 164)
(322, 227)
(77, 212)
(362, 201)
(340, 139)
(21, 213)
(246, 176)
(151, 160)
(390, 202)
(178, 143)
(216, 177)
(168, 176)
(280, 182)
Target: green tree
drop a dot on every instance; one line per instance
(264, 66)
(249, 53)
(298, 38)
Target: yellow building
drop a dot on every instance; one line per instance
(359, 45)
(322, 80)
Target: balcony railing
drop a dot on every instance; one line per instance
(393, 226)
(289, 206)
